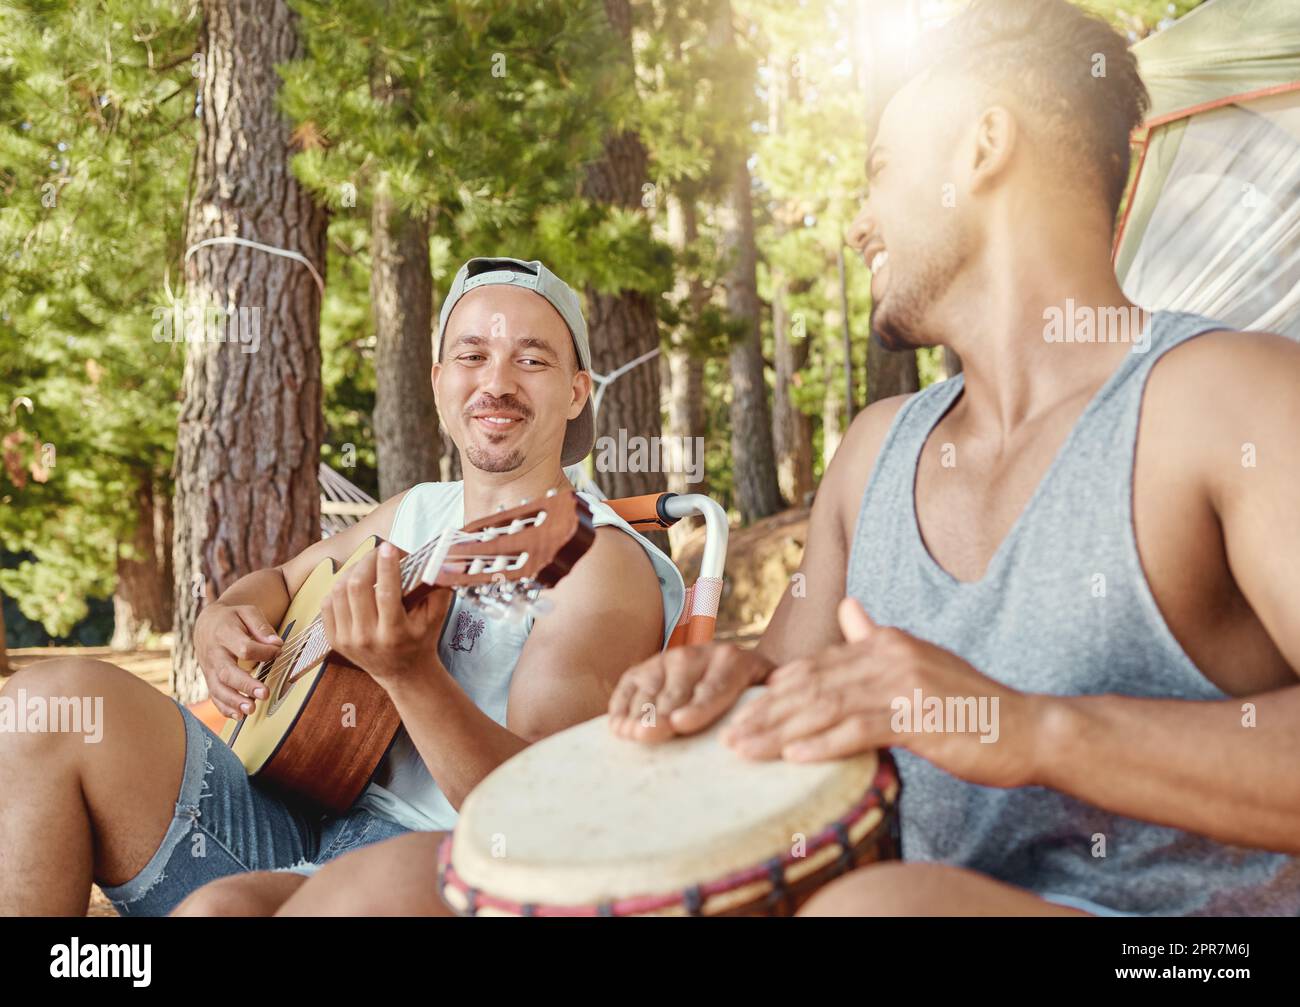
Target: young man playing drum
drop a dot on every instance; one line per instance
(1097, 542)
(161, 806)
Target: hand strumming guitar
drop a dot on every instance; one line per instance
(223, 635)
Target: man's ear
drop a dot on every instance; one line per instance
(433, 380)
(996, 136)
(581, 392)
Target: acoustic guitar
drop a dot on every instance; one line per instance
(325, 725)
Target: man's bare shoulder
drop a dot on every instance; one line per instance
(1227, 371)
(846, 476)
(1214, 401)
(616, 570)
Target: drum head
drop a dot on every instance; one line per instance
(586, 818)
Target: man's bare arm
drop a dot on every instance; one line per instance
(607, 615)
(807, 623)
(1196, 765)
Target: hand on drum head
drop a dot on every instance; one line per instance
(683, 690)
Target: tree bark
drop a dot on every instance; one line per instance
(753, 461)
(951, 362)
(683, 371)
(407, 440)
(4, 653)
(248, 443)
(833, 409)
(142, 600)
(791, 428)
(890, 372)
(623, 325)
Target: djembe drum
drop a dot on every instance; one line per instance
(584, 823)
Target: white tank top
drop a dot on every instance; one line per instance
(479, 652)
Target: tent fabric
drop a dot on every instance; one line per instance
(1213, 223)
(1220, 49)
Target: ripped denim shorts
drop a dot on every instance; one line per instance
(226, 824)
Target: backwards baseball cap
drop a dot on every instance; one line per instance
(581, 432)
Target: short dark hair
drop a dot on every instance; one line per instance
(1066, 66)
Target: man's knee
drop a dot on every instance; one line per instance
(397, 877)
(892, 888)
(71, 677)
(61, 679)
(256, 894)
(73, 699)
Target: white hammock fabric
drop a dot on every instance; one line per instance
(341, 504)
(1224, 238)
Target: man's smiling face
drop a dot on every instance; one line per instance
(508, 381)
(914, 231)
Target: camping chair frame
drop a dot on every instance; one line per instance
(658, 511)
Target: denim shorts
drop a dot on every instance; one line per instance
(225, 823)
(1088, 906)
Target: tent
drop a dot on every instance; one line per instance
(1212, 220)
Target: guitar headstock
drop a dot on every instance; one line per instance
(503, 562)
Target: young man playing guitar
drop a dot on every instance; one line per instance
(1099, 537)
(161, 807)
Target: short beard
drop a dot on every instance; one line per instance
(894, 338)
(488, 461)
(902, 326)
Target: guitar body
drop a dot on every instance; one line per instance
(322, 736)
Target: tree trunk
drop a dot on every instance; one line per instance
(753, 461)
(890, 372)
(449, 466)
(407, 440)
(623, 325)
(833, 411)
(951, 362)
(248, 443)
(791, 428)
(4, 653)
(682, 370)
(142, 600)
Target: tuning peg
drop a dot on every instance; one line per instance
(552, 492)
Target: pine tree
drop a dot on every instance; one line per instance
(248, 441)
(96, 113)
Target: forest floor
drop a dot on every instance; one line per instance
(760, 562)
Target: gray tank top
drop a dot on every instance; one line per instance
(1063, 608)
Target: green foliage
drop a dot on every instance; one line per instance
(96, 133)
